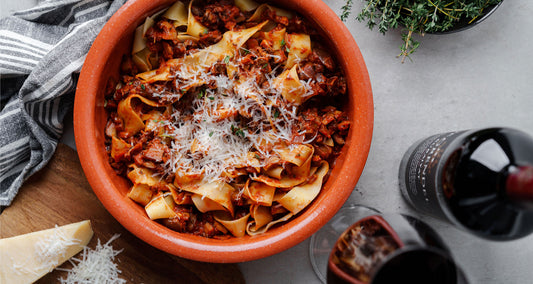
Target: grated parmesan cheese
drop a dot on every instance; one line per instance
(213, 133)
(95, 266)
(207, 137)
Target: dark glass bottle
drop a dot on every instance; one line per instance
(480, 180)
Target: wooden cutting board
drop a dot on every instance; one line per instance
(60, 194)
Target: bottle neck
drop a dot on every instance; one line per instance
(519, 184)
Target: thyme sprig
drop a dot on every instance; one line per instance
(417, 17)
(346, 10)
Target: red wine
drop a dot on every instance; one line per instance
(392, 248)
(481, 180)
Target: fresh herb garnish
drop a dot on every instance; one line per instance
(283, 41)
(417, 17)
(346, 10)
(226, 59)
(201, 94)
(237, 131)
(276, 114)
(143, 87)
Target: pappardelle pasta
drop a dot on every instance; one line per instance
(226, 118)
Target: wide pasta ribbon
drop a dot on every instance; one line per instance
(237, 227)
(133, 122)
(178, 14)
(162, 206)
(300, 156)
(299, 49)
(140, 175)
(253, 230)
(191, 66)
(260, 193)
(204, 204)
(289, 85)
(194, 28)
(300, 196)
(217, 191)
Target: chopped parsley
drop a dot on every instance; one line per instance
(201, 93)
(276, 114)
(237, 131)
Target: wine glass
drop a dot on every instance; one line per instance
(322, 242)
(362, 245)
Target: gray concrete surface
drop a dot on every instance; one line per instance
(476, 78)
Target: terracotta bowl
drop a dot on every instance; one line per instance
(102, 63)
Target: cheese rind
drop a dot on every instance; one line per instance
(28, 257)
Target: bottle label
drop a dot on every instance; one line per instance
(419, 176)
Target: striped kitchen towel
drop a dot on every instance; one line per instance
(41, 53)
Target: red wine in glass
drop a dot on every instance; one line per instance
(380, 248)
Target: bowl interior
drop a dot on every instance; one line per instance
(102, 65)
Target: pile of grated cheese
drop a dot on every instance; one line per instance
(95, 266)
(222, 143)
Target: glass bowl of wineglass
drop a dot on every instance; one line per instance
(362, 245)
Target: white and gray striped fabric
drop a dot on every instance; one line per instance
(41, 53)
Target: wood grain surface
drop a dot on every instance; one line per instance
(60, 194)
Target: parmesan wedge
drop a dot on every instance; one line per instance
(26, 258)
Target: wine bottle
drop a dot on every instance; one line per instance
(480, 180)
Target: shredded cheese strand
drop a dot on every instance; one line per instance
(95, 266)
